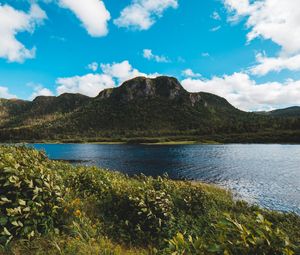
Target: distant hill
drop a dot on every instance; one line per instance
(290, 112)
(18, 113)
(139, 108)
(286, 113)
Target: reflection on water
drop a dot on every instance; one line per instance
(265, 174)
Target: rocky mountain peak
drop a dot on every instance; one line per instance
(142, 87)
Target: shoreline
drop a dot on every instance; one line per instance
(187, 142)
(215, 139)
(93, 205)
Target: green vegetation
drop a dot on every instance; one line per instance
(50, 207)
(142, 111)
(289, 112)
(30, 195)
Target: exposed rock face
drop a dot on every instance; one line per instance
(195, 98)
(145, 88)
(105, 94)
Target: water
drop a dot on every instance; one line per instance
(268, 175)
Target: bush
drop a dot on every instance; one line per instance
(230, 237)
(30, 194)
(139, 213)
(190, 199)
(143, 214)
(140, 210)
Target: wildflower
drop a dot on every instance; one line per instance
(77, 213)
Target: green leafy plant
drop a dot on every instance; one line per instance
(230, 237)
(30, 194)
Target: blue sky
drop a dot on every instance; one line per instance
(237, 49)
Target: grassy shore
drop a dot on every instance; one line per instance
(266, 137)
(50, 207)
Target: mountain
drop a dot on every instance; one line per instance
(18, 113)
(143, 104)
(140, 107)
(286, 113)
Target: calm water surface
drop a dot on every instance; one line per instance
(268, 175)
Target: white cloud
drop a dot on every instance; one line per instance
(142, 14)
(216, 16)
(12, 22)
(121, 71)
(190, 73)
(276, 20)
(277, 64)
(39, 90)
(215, 29)
(205, 54)
(93, 66)
(148, 54)
(241, 7)
(92, 13)
(4, 93)
(91, 84)
(245, 93)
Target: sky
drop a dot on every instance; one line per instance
(244, 50)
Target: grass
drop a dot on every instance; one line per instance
(266, 137)
(63, 244)
(95, 211)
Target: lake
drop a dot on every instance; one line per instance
(268, 175)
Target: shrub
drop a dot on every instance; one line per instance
(30, 194)
(143, 214)
(135, 210)
(190, 199)
(230, 237)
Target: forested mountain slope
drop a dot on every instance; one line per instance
(141, 107)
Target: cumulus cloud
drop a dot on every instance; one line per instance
(271, 19)
(121, 71)
(111, 75)
(190, 73)
(39, 90)
(246, 94)
(4, 93)
(148, 54)
(92, 13)
(277, 64)
(89, 84)
(142, 14)
(13, 22)
(274, 20)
